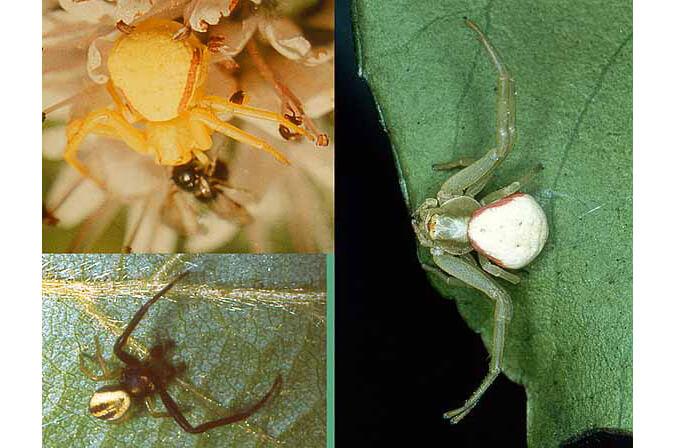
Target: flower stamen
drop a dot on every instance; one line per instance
(288, 98)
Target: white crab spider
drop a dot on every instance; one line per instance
(506, 228)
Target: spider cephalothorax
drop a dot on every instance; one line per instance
(157, 86)
(140, 380)
(507, 229)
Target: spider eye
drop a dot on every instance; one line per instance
(110, 403)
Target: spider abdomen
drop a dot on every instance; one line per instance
(511, 232)
(157, 74)
(110, 403)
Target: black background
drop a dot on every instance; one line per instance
(403, 354)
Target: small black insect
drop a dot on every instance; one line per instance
(209, 184)
(140, 380)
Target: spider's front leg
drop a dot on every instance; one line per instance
(108, 123)
(471, 275)
(220, 105)
(123, 338)
(472, 179)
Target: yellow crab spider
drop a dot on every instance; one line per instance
(506, 228)
(156, 84)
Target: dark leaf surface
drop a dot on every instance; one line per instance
(570, 341)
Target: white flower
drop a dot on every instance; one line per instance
(295, 201)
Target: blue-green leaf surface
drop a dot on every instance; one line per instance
(238, 321)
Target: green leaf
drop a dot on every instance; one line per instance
(238, 321)
(570, 341)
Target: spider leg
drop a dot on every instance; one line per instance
(511, 188)
(98, 357)
(478, 279)
(460, 163)
(497, 271)
(201, 156)
(218, 104)
(160, 350)
(104, 122)
(123, 338)
(178, 416)
(229, 130)
(127, 112)
(472, 179)
(451, 281)
(150, 404)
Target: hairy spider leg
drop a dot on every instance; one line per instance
(471, 275)
(104, 122)
(178, 416)
(123, 338)
(472, 179)
(98, 357)
(214, 123)
(218, 104)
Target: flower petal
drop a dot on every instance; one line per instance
(145, 229)
(96, 61)
(72, 199)
(91, 11)
(201, 13)
(217, 232)
(286, 37)
(129, 10)
(234, 34)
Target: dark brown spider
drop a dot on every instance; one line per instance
(141, 379)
